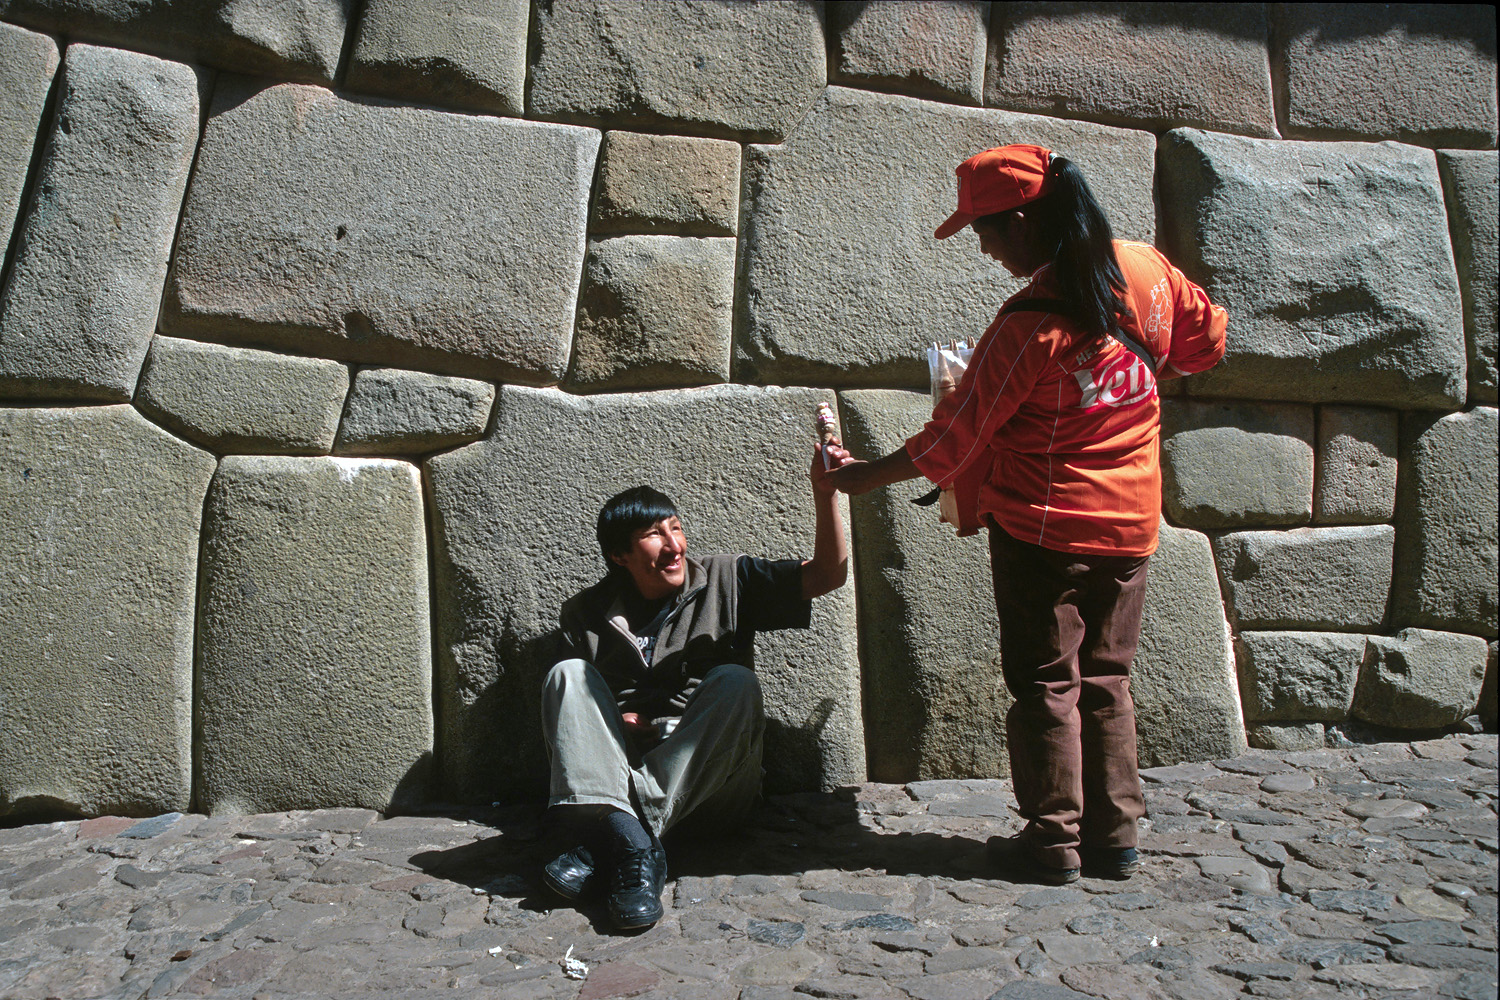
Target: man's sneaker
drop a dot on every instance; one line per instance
(1110, 862)
(571, 875)
(1012, 855)
(635, 889)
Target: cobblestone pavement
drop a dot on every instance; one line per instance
(1362, 872)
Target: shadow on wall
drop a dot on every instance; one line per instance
(1168, 16)
(30, 809)
(414, 789)
(500, 755)
(794, 751)
(1454, 22)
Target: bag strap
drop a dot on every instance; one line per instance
(1061, 308)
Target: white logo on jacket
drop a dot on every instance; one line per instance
(1121, 381)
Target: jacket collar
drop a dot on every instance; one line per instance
(621, 587)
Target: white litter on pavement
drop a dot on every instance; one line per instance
(572, 967)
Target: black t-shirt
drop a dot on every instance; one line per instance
(770, 598)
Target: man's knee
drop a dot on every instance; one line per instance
(732, 682)
(567, 673)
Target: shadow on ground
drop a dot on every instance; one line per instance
(822, 832)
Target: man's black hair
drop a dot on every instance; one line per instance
(626, 513)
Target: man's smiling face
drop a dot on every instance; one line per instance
(656, 559)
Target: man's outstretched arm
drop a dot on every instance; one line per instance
(829, 567)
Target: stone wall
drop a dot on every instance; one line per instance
(326, 327)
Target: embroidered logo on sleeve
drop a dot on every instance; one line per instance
(1158, 309)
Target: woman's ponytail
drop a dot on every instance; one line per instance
(1087, 273)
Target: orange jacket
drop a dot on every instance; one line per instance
(1054, 434)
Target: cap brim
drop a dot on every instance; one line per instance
(955, 222)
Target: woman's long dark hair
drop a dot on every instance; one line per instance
(1083, 254)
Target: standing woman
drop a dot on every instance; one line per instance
(1052, 442)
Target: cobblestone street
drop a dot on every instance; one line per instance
(1361, 872)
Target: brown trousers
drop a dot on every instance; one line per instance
(1069, 625)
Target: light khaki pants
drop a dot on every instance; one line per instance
(709, 768)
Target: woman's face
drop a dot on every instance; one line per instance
(1007, 243)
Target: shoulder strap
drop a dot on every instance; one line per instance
(1061, 308)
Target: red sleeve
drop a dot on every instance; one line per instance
(1007, 363)
(1197, 327)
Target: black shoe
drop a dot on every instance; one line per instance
(1110, 862)
(635, 890)
(571, 875)
(1012, 855)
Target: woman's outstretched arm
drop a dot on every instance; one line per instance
(861, 477)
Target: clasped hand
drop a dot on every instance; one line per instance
(824, 481)
(853, 476)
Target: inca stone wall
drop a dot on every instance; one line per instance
(325, 328)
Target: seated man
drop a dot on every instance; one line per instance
(656, 715)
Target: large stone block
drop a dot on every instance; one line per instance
(1298, 676)
(394, 412)
(1294, 736)
(1335, 579)
(233, 399)
(295, 40)
(706, 67)
(1419, 679)
(1422, 73)
(1227, 465)
(457, 53)
(99, 516)
(935, 699)
(357, 248)
(513, 536)
(934, 49)
(655, 311)
(1149, 65)
(1472, 186)
(667, 184)
(1333, 261)
(314, 684)
(1446, 531)
(1187, 703)
(80, 304)
(1356, 465)
(853, 197)
(27, 64)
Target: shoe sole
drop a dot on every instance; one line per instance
(1026, 870)
(637, 923)
(1119, 873)
(566, 892)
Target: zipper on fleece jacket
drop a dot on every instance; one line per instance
(618, 623)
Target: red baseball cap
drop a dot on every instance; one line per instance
(998, 180)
